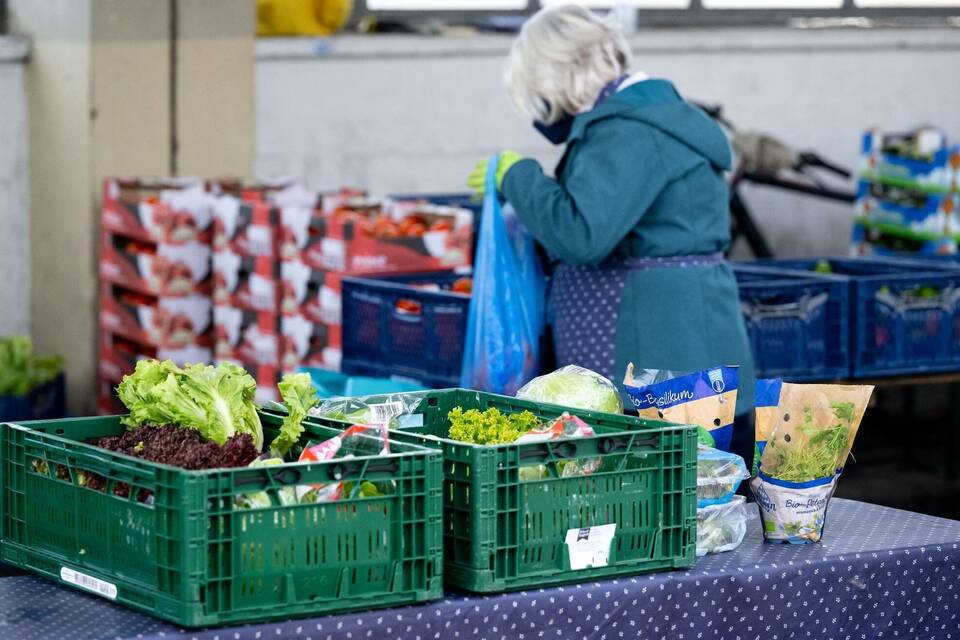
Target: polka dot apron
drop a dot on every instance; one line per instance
(585, 305)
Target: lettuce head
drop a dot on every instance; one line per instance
(216, 401)
(575, 387)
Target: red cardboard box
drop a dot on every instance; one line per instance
(248, 229)
(246, 337)
(157, 269)
(310, 344)
(119, 356)
(375, 239)
(313, 293)
(160, 212)
(171, 322)
(247, 283)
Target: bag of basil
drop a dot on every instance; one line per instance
(803, 447)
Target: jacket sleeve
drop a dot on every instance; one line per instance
(616, 172)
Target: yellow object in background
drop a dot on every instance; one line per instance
(302, 17)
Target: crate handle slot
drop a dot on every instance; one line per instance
(339, 470)
(625, 443)
(561, 450)
(281, 476)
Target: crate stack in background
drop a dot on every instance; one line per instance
(155, 278)
(907, 198)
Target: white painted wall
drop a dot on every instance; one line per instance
(409, 113)
(14, 190)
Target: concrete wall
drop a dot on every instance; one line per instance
(99, 98)
(409, 113)
(14, 191)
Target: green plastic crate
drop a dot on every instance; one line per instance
(501, 533)
(191, 556)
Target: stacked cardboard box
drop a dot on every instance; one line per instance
(251, 275)
(353, 235)
(155, 278)
(245, 288)
(907, 198)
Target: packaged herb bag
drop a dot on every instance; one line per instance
(804, 445)
(705, 398)
(766, 400)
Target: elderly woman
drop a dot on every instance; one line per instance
(637, 217)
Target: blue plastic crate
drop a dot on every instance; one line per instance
(46, 402)
(797, 322)
(393, 328)
(462, 200)
(904, 313)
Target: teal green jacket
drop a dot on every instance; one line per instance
(643, 176)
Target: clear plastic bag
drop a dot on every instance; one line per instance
(576, 387)
(505, 320)
(722, 527)
(387, 410)
(719, 474)
(566, 426)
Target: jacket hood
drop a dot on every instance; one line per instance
(657, 103)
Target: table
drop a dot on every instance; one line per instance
(880, 572)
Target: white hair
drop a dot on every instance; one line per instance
(561, 60)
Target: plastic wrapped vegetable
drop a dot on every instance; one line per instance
(328, 450)
(492, 427)
(385, 410)
(804, 445)
(576, 387)
(722, 527)
(719, 474)
(262, 499)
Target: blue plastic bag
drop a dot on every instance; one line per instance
(502, 349)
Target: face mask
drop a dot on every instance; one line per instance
(559, 131)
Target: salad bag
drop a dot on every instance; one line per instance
(803, 446)
(705, 398)
(721, 527)
(719, 475)
(505, 319)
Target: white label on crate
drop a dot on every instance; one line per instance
(386, 411)
(334, 254)
(411, 421)
(590, 546)
(82, 580)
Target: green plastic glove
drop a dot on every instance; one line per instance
(479, 174)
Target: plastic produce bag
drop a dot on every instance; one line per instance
(722, 527)
(393, 410)
(566, 426)
(705, 398)
(719, 474)
(804, 445)
(505, 319)
(576, 387)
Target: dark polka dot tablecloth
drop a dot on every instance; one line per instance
(879, 573)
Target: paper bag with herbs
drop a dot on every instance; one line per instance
(803, 446)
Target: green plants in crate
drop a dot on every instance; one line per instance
(354, 525)
(517, 515)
